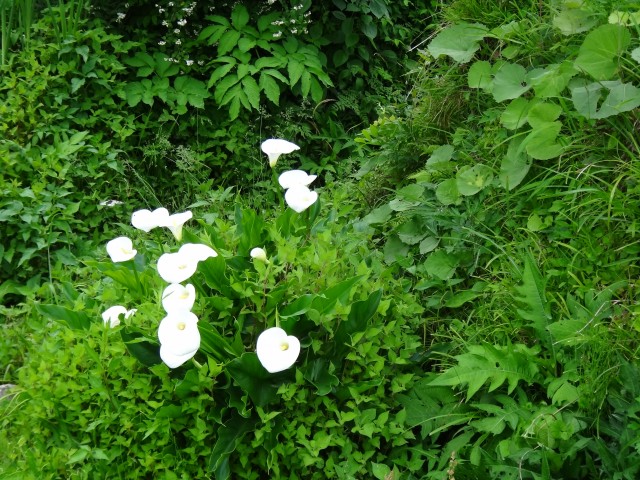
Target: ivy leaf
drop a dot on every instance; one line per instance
(459, 42)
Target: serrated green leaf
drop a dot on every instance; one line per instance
(220, 73)
(531, 295)
(270, 62)
(493, 364)
(270, 88)
(252, 90)
(295, 69)
(239, 16)
(228, 41)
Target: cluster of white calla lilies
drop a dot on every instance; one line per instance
(178, 332)
(295, 182)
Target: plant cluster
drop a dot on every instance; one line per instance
(516, 224)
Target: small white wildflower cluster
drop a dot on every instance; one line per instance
(296, 22)
(176, 21)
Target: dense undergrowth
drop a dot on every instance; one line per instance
(464, 289)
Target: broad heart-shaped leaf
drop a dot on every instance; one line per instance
(540, 142)
(542, 113)
(510, 81)
(531, 294)
(515, 115)
(515, 165)
(441, 264)
(474, 179)
(551, 80)
(574, 20)
(598, 55)
(253, 378)
(447, 192)
(493, 364)
(459, 42)
(480, 76)
(621, 97)
(412, 231)
(229, 435)
(441, 154)
(74, 319)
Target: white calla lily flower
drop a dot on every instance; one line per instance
(176, 267)
(121, 249)
(172, 360)
(274, 147)
(293, 178)
(299, 198)
(198, 251)
(175, 222)
(276, 350)
(111, 315)
(177, 297)
(147, 220)
(259, 254)
(179, 337)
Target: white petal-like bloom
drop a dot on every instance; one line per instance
(147, 220)
(111, 203)
(177, 297)
(176, 267)
(198, 251)
(274, 147)
(259, 254)
(112, 315)
(121, 249)
(174, 361)
(179, 338)
(174, 223)
(276, 350)
(299, 198)
(293, 178)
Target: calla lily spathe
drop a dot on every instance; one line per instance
(259, 254)
(175, 222)
(276, 350)
(180, 266)
(179, 337)
(121, 249)
(292, 178)
(146, 220)
(111, 315)
(299, 198)
(178, 297)
(274, 147)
